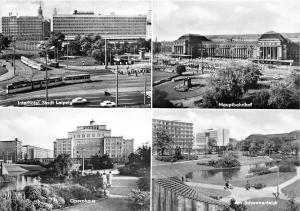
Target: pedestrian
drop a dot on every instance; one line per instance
(104, 181)
(247, 186)
(109, 179)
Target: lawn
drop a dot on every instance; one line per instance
(280, 206)
(197, 89)
(159, 75)
(122, 186)
(3, 70)
(212, 191)
(293, 189)
(88, 61)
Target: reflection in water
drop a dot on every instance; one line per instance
(20, 181)
(224, 174)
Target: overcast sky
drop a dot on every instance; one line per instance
(40, 127)
(30, 7)
(241, 123)
(173, 18)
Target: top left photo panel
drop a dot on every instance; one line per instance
(79, 53)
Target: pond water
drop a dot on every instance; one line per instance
(224, 174)
(20, 180)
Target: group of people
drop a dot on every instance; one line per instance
(106, 180)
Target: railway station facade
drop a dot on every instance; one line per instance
(270, 47)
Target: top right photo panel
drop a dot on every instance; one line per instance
(226, 54)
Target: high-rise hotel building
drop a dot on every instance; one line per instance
(221, 136)
(181, 133)
(123, 27)
(93, 139)
(26, 27)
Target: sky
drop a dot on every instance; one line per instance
(40, 127)
(241, 123)
(104, 7)
(173, 18)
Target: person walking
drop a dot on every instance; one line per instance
(109, 179)
(247, 186)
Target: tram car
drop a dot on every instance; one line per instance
(22, 86)
(32, 64)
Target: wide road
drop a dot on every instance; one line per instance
(130, 90)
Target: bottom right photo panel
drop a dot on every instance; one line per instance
(233, 160)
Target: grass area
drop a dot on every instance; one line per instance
(280, 206)
(267, 179)
(88, 61)
(159, 75)
(122, 186)
(212, 191)
(3, 70)
(292, 189)
(197, 90)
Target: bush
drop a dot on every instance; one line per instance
(33, 192)
(180, 69)
(260, 170)
(144, 183)
(287, 166)
(166, 158)
(72, 192)
(39, 205)
(258, 185)
(139, 200)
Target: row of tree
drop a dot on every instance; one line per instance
(94, 46)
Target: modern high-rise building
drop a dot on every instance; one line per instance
(11, 151)
(32, 152)
(93, 139)
(181, 133)
(220, 135)
(26, 27)
(118, 27)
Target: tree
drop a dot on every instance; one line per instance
(144, 154)
(101, 162)
(211, 144)
(4, 42)
(180, 69)
(261, 99)
(162, 141)
(61, 166)
(230, 85)
(98, 55)
(56, 39)
(177, 153)
(283, 96)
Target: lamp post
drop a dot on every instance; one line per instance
(14, 60)
(83, 151)
(117, 85)
(277, 193)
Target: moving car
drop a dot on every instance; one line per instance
(79, 100)
(107, 103)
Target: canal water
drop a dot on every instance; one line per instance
(224, 174)
(20, 180)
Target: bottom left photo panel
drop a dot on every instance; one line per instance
(75, 159)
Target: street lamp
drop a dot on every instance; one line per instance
(83, 151)
(14, 60)
(278, 161)
(44, 49)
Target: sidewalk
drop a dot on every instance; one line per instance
(117, 197)
(241, 194)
